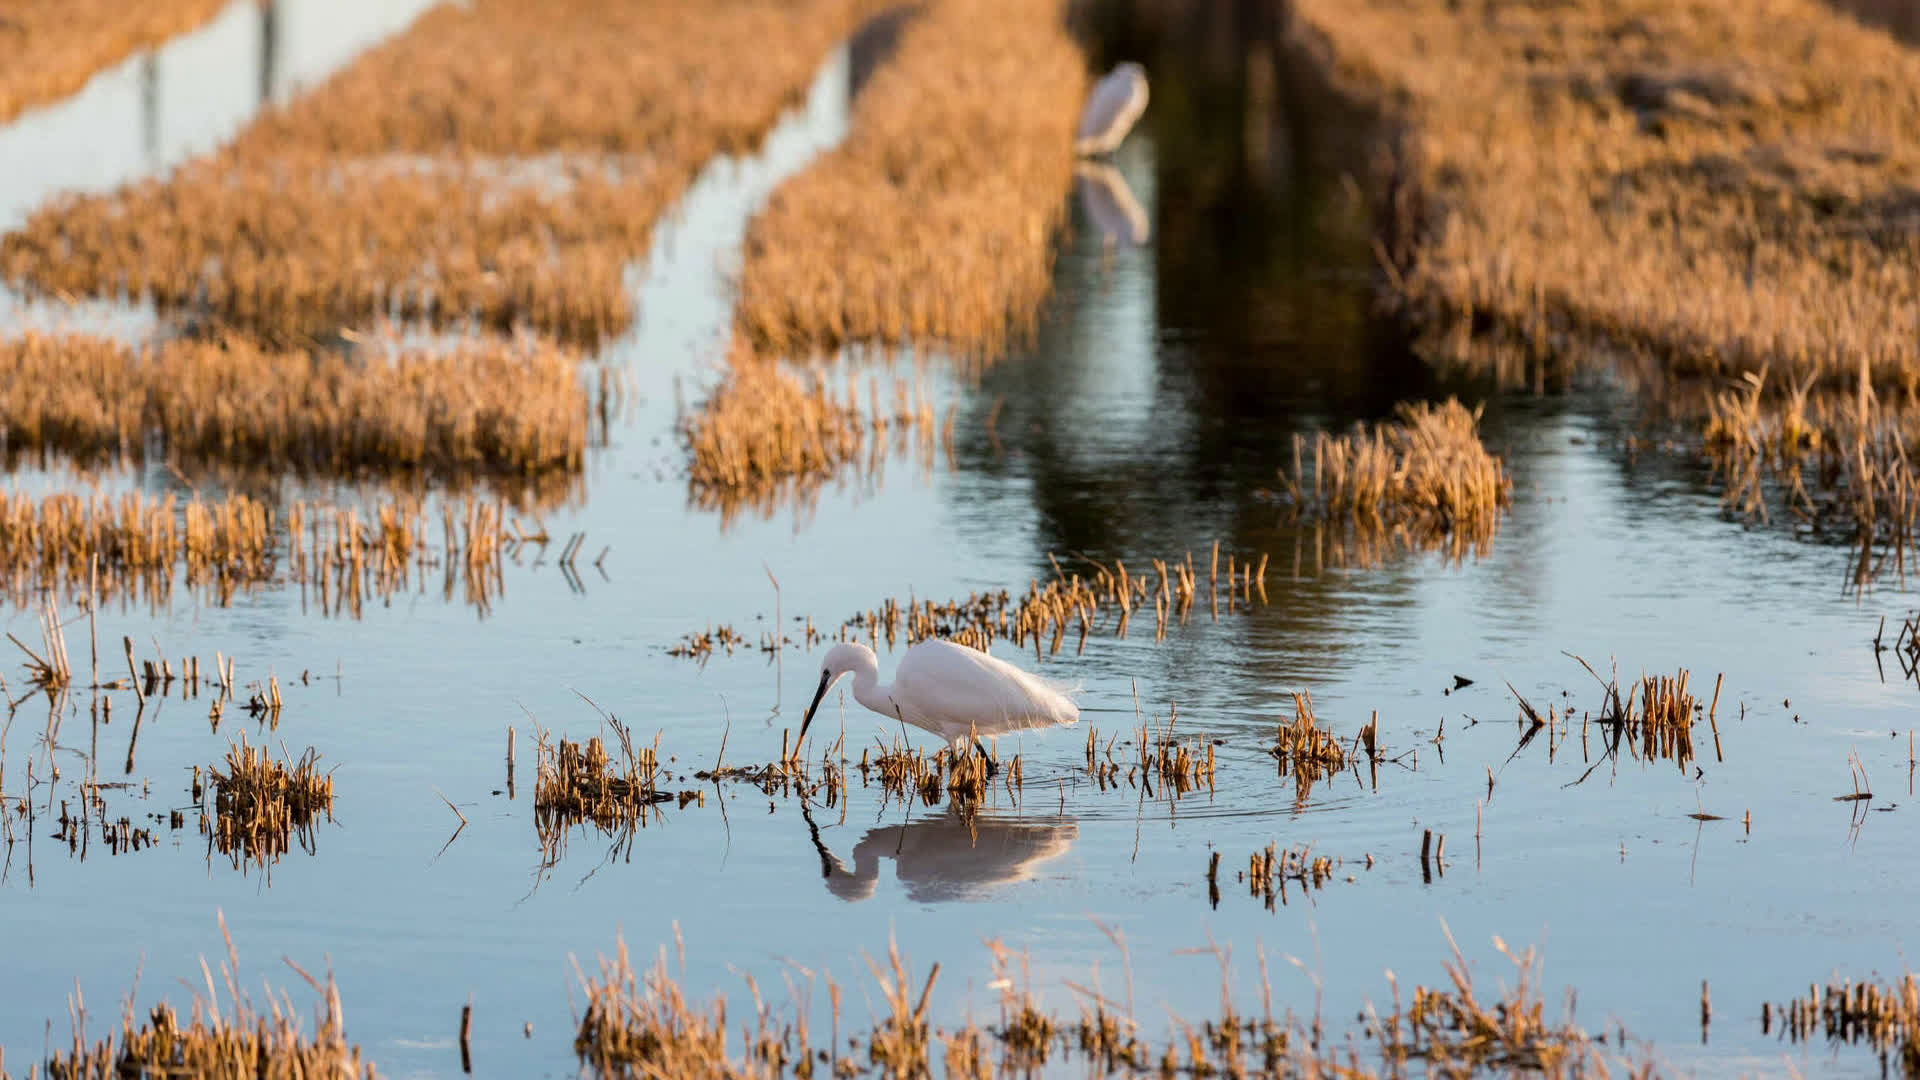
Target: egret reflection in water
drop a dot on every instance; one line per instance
(1109, 203)
(949, 857)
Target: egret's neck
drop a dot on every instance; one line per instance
(868, 691)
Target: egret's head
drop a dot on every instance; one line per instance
(848, 656)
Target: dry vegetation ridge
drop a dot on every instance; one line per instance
(935, 221)
(1728, 185)
(52, 47)
(502, 160)
(485, 408)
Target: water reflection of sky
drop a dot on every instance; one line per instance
(1164, 390)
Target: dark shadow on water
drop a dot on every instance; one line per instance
(1901, 18)
(1164, 389)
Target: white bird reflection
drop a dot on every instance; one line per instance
(1109, 203)
(949, 857)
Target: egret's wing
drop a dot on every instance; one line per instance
(957, 687)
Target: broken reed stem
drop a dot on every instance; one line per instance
(579, 783)
(1306, 751)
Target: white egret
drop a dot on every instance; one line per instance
(1111, 110)
(957, 693)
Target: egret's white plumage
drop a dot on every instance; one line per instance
(1112, 108)
(956, 693)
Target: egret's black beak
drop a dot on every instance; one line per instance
(825, 678)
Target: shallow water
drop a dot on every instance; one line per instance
(1161, 396)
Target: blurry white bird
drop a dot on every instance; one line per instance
(1111, 110)
(957, 693)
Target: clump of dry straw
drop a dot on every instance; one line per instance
(1426, 470)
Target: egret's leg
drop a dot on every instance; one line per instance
(992, 765)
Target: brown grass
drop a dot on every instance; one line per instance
(631, 1030)
(1269, 871)
(484, 409)
(131, 544)
(135, 545)
(1653, 718)
(1725, 186)
(581, 783)
(635, 1027)
(260, 804)
(1084, 597)
(1305, 750)
(501, 161)
(765, 432)
(934, 222)
(1425, 471)
(1838, 463)
(906, 773)
(55, 46)
(235, 1041)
